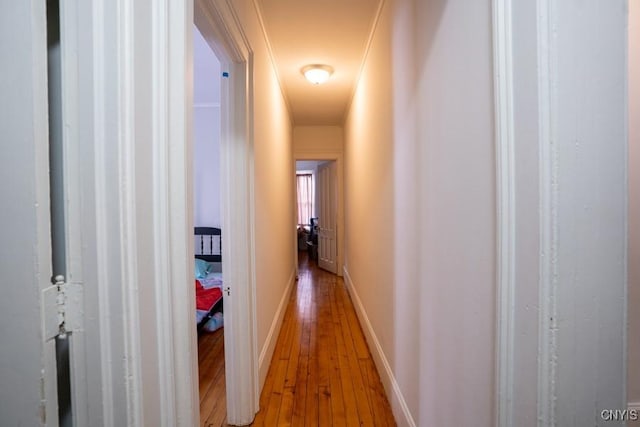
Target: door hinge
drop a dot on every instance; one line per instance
(228, 291)
(62, 303)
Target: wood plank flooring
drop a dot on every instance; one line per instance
(213, 399)
(321, 374)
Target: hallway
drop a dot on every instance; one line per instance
(321, 373)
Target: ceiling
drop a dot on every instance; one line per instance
(331, 32)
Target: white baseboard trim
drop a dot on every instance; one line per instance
(272, 337)
(398, 404)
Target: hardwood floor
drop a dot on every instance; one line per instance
(321, 373)
(213, 398)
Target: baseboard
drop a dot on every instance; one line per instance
(270, 343)
(396, 399)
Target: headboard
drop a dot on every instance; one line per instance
(208, 243)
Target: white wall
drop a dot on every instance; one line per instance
(570, 212)
(206, 134)
(420, 209)
(634, 204)
(206, 166)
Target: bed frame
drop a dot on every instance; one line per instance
(209, 241)
(208, 247)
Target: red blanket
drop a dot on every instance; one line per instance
(206, 298)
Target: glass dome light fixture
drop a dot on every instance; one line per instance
(317, 73)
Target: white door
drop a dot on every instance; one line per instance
(28, 390)
(327, 224)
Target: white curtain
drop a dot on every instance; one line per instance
(305, 198)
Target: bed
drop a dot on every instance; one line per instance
(208, 277)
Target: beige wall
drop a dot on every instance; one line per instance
(274, 196)
(317, 139)
(633, 336)
(420, 202)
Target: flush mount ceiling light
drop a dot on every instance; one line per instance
(317, 73)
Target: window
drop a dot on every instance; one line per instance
(306, 195)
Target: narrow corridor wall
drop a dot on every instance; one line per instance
(420, 195)
(420, 167)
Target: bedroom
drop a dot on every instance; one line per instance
(208, 229)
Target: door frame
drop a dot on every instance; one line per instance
(338, 157)
(104, 104)
(505, 209)
(219, 25)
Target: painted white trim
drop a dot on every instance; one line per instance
(70, 27)
(105, 331)
(161, 120)
(219, 25)
(505, 209)
(239, 266)
(253, 319)
(221, 28)
(272, 336)
(398, 403)
(548, 177)
(127, 212)
(175, 162)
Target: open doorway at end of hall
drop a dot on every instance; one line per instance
(317, 212)
(209, 279)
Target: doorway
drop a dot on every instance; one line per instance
(217, 23)
(209, 275)
(317, 212)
